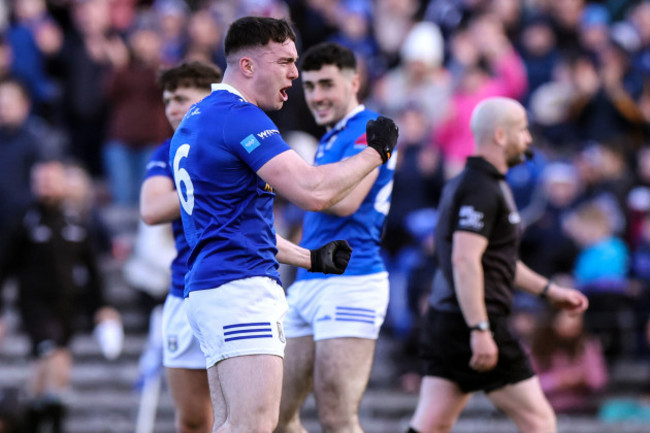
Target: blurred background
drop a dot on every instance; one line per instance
(77, 84)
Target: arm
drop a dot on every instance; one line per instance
(159, 201)
(321, 187)
(292, 254)
(351, 203)
(560, 297)
(467, 251)
(317, 188)
(331, 258)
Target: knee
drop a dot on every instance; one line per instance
(289, 422)
(542, 422)
(265, 424)
(332, 420)
(193, 424)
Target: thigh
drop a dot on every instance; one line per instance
(181, 349)
(526, 404)
(191, 395)
(251, 387)
(342, 369)
(439, 405)
(240, 318)
(298, 376)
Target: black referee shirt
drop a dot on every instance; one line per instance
(480, 201)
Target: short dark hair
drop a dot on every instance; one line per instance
(328, 53)
(194, 74)
(257, 32)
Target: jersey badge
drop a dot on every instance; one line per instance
(470, 218)
(281, 332)
(172, 343)
(250, 143)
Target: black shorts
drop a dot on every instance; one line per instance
(46, 329)
(445, 349)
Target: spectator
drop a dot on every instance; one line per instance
(90, 51)
(134, 94)
(545, 247)
(37, 37)
(420, 78)
(173, 16)
(538, 50)
(601, 273)
(604, 106)
(24, 140)
(205, 43)
(392, 20)
(478, 51)
(54, 262)
(569, 362)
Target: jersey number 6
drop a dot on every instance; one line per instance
(182, 177)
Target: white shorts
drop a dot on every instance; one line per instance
(242, 317)
(181, 349)
(337, 307)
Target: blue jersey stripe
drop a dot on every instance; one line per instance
(240, 325)
(246, 337)
(244, 331)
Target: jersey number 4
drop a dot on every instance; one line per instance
(182, 178)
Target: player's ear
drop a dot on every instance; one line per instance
(246, 66)
(356, 83)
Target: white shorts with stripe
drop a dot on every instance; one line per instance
(242, 317)
(337, 307)
(181, 349)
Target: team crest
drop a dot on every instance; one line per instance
(281, 332)
(172, 343)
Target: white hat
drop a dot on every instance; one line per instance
(424, 43)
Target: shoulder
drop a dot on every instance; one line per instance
(361, 118)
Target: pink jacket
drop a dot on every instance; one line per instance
(454, 136)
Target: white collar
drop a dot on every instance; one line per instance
(226, 87)
(341, 123)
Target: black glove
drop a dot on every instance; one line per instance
(331, 258)
(382, 136)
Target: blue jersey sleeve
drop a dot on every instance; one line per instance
(158, 165)
(253, 136)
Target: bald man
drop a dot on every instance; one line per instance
(466, 343)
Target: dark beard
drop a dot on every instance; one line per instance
(520, 159)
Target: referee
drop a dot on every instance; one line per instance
(466, 343)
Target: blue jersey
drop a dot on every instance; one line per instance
(362, 229)
(226, 208)
(159, 166)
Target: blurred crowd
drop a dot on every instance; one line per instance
(77, 82)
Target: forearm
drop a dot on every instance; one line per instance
(292, 254)
(333, 182)
(468, 280)
(317, 188)
(528, 280)
(162, 208)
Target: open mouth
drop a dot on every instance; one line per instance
(283, 92)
